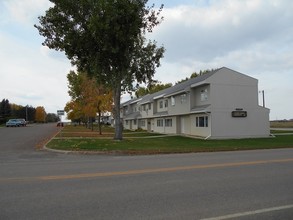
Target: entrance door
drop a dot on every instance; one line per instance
(182, 125)
(149, 125)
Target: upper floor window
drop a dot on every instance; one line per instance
(204, 95)
(183, 98)
(172, 100)
(166, 103)
(161, 104)
(150, 106)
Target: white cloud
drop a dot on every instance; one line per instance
(252, 36)
(25, 11)
(225, 26)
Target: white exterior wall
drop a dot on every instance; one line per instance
(229, 91)
(127, 124)
(181, 104)
(148, 112)
(163, 107)
(185, 124)
(134, 124)
(165, 129)
(200, 131)
(196, 96)
(256, 124)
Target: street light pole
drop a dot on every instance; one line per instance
(26, 113)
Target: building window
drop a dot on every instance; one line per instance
(202, 121)
(160, 123)
(172, 100)
(166, 103)
(126, 122)
(143, 107)
(168, 122)
(142, 123)
(150, 106)
(204, 95)
(134, 122)
(183, 98)
(161, 104)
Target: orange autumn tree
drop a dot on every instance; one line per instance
(97, 99)
(89, 99)
(40, 115)
(74, 111)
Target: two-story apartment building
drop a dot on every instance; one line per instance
(217, 105)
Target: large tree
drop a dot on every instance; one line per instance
(106, 38)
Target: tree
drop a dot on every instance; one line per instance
(87, 97)
(106, 38)
(5, 109)
(195, 74)
(40, 115)
(97, 98)
(141, 91)
(52, 117)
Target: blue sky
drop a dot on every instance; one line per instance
(254, 37)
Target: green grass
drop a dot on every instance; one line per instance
(169, 144)
(281, 131)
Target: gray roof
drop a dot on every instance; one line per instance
(133, 115)
(184, 86)
(177, 88)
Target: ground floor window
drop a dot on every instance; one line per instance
(168, 122)
(142, 123)
(202, 121)
(134, 122)
(160, 123)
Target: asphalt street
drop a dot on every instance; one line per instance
(36, 184)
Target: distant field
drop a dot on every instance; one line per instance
(281, 124)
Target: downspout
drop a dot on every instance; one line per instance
(210, 116)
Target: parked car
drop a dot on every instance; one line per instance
(13, 123)
(22, 121)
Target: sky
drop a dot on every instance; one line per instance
(253, 37)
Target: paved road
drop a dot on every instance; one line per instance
(44, 185)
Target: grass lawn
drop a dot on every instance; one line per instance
(168, 144)
(281, 131)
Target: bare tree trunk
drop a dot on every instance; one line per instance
(92, 123)
(100, 127)
(118, 124)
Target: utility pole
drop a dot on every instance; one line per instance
(26, 119)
